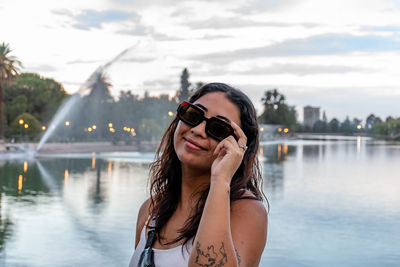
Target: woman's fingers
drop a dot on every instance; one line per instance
(231, 143)
(242, 139)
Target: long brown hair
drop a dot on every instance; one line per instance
(165, 172)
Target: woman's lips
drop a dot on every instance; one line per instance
(193, 145)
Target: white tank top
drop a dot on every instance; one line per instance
(173, 257)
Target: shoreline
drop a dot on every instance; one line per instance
(79, 147)
(149, 146)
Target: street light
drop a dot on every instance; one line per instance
(21, 122)
(26, 126)
(67, 123)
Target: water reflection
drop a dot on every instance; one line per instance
(276, 152)
(273, 157)
(96, 193)
(332, 204)
(72, 197)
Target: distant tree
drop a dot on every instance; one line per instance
(389, 119)
(319, 127)
(33, 94)
(196, 87)
(324, 118)
(276, 111)
(390, 128)
(334, 126)
(100, 89)
(150, 130)
(9, 68)
(15, 106)
(184, 90)
(346, 126)
(99, 102)
(30, 129)
(370, 123)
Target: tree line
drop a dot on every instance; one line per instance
(28, 102)
(277, 111)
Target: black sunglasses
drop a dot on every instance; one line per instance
(216, 128)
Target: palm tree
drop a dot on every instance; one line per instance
(99, 100)
(9, 67)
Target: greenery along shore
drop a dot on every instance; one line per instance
(29, 101)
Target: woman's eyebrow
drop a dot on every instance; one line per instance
(202, 107)
(224, 118)
(219, 116)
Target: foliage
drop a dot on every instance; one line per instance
(9, 67)
(276, 111)
(33, 94)
(131, 118)
(183, 93)
(150, 130)
(389, 128)
(29, 129)
(334, 126)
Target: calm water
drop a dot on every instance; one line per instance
(333, 203)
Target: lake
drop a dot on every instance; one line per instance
(333, 203)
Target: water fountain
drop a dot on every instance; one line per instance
(84, 90)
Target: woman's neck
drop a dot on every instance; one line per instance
(193, 182)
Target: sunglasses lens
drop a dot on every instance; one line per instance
(190, 115)
(215, 127)
(218, 129)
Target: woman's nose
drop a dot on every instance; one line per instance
(200, 129)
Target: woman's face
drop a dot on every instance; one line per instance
(193, 146)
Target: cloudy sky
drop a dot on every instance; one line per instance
(342, 56)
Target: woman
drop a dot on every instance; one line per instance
(205, 202)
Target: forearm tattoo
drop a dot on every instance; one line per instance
(209, 257)
(237, 256)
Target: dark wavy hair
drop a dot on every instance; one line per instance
(165, 172)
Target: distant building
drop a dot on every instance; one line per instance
(311, 115)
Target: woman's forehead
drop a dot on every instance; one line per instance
(216, 103)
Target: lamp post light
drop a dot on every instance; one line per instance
(21, 122)
(26, 126)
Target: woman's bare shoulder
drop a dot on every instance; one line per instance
(249, 205)
(144, 212)
(143, 215)
(249, 224)
(249, 216)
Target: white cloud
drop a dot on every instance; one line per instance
(310, 49)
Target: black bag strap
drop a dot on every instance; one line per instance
(151, 233)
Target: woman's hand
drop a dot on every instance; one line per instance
(229, 156)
